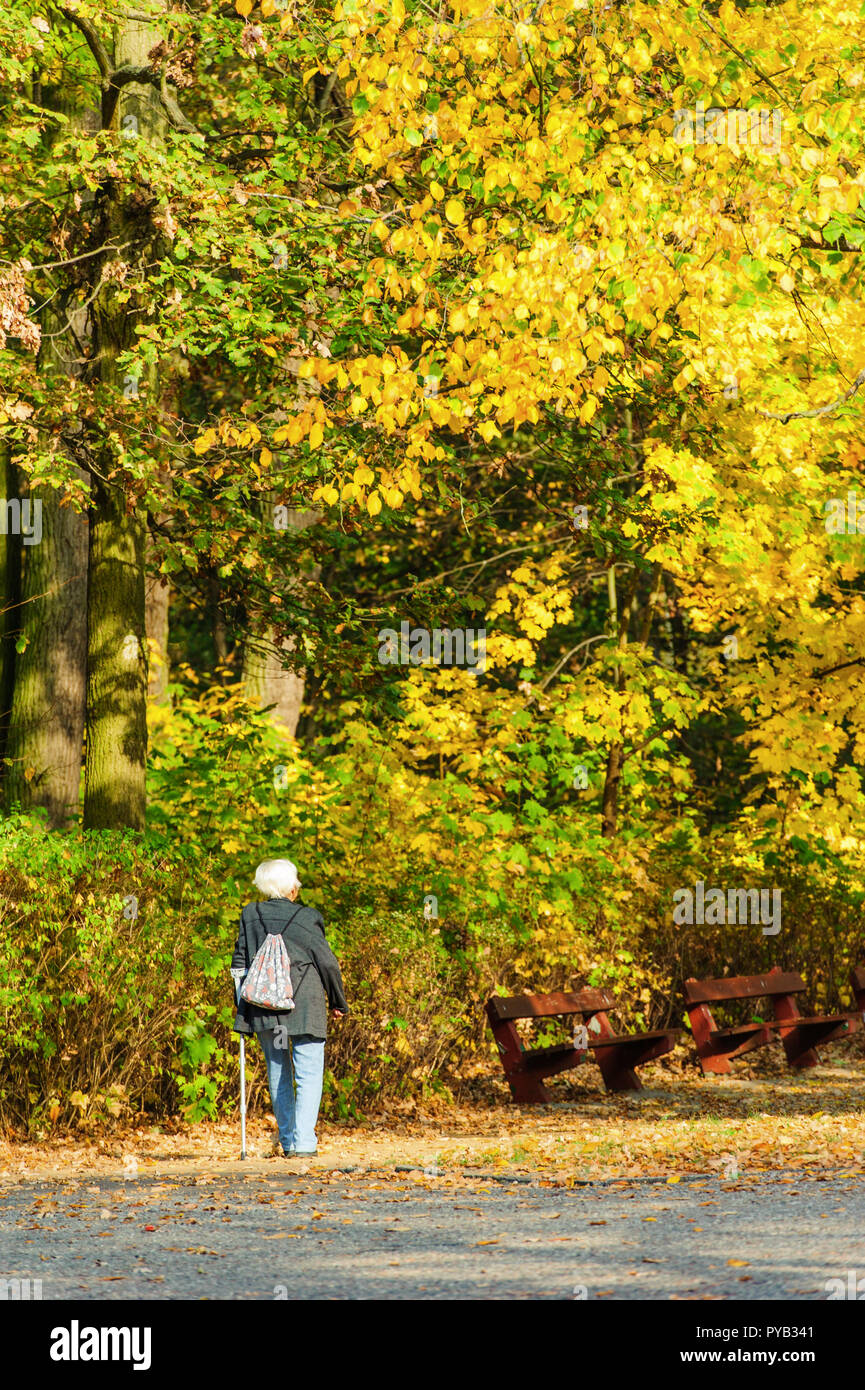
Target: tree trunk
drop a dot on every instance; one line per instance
(617, 757)
(117, 645)
(43, 684)
(156, 598)
(217, 623)
(47, 712)
(116, 666)
(266, 679)
(268, 682)
(610, 805)
(10, 615)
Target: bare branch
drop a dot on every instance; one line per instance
(818, 411)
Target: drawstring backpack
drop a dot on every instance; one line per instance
(268, 983)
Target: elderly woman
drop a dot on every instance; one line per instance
(292, 1041)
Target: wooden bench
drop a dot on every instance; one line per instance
(800, 1036)
(617, 1056)
(857, 984)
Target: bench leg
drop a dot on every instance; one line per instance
(716, 1064)
(529, 1090)
(702, 1024)
(787, 1011)
(526, 1088)
(618, 1076)
(800, 1060)
(800, 1044)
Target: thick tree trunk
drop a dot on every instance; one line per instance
(42, 717)
(117, 642)
(47, 713)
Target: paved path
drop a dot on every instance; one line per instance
(337, 1235)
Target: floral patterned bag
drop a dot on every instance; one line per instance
(268, 983)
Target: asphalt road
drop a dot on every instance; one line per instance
(328, 1235)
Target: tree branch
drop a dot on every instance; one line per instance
(818, 411)
(94, 43)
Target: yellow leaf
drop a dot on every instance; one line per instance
(265, 458)
(243, 7)
(738, 1264)
(488, 430)
(437, 191)
(204, 442)
(373, 504)
(454, 211)
(316, 435)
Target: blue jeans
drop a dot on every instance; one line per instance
(295, 1118)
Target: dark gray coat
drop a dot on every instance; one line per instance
(315, 975)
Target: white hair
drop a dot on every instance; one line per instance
(276, 878)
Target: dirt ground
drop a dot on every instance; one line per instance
(752, 1121)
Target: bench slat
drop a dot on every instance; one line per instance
(742, 1030)
(587, 1001)
(543, 1057)
(742, 987)
(637, 1041)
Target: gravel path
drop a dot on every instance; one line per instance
(336, 1235)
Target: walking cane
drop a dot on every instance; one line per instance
(237, 976)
